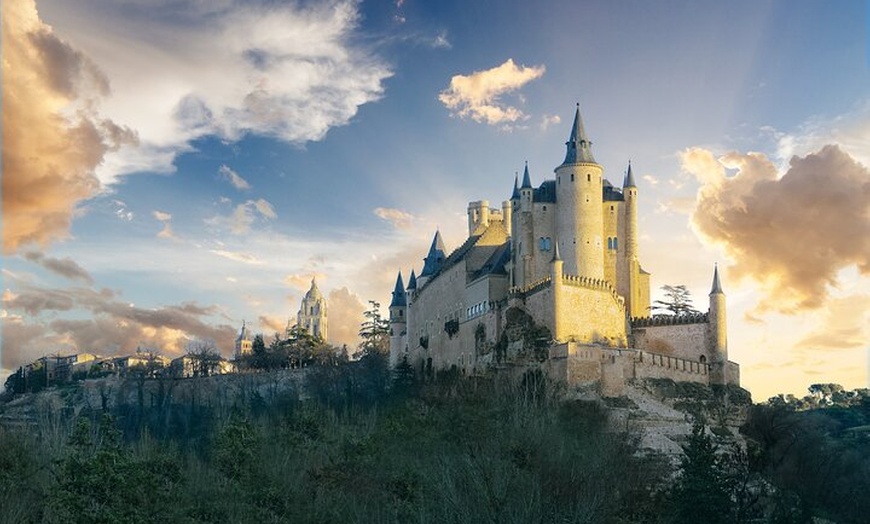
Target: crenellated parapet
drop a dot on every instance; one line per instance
(670, 320)
(531, 289)
(596, 284)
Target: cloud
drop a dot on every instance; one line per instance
(121, 211)
(398, 218)
(65, 267)
(792, 234)
(237, 181)
(244, 216)
(477, 96)
(114, 327)
(236, 256)
(844, 324)
(651, 180)
(549, 120)
(345, 316)
(166, 219)
(302, 281)
(272, 324)
(54, 136)
(288, 70)
(441, 42)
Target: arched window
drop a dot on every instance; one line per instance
(615, 243)
(703, 359)
(572, 177)
(588, 177)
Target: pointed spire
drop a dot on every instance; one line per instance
(556, 256)
(629, 177)
(516, 194)
(579, 147)
(527, 181)
(412, 282)
(399, 293)
(717, 287)
(437, 254)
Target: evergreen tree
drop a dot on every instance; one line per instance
(701, 492)
(374, 331)
(678, 301)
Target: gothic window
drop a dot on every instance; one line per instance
(615, 244)
(703, 359)
(609, 243)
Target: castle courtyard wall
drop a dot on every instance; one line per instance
(687, 341)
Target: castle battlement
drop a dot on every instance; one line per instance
(670, 320)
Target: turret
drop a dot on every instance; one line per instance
(412, 282)
(507, 216)
(398, 319)
(718, 332)
(432, 262)
(629, 192)
(579, 215)
(478, 215)
(526, 191)
(312, 313)
(244, 342)
(556, 286)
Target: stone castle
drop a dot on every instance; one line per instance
(561, 256)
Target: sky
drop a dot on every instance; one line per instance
(173, 168)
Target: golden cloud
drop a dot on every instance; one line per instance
(791, 234)
(398, 218)
(477, 95)
(53, 136)
(345, 316)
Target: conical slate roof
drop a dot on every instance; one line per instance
(399, 293)
(527, 181)
(629, 177)
(579, 147)
(412, 282)
(437, 254)
(717, 287)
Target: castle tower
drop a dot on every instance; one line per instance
(244, 342)
(312, 313)
(718, 332)
(478, 215)
(579, 215)
(398, 321)
(525, 233)
(432, 262)
(635, 306)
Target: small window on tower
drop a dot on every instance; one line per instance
(588, 177)
(572, 177)
(615, 243)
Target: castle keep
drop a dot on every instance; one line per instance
(554, 277)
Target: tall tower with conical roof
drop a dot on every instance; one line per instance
(398, 320)
(244, 342)
(579, 220)
(718, 334)
(434, 259)
(312, 313)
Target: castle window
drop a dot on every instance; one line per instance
(588, 177)
(615, 244)
(609, 243)
(611, 208)
(572, 177)
(545, 208)
(703, 359)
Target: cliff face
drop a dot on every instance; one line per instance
(219, 394)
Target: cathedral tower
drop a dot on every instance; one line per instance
(312, 313)
(579, 220)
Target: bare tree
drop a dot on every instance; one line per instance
(204, 356)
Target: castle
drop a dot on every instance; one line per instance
(562, 256)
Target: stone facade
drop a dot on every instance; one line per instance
(565, 254)
(312, 314)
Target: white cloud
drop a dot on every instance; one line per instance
(244, 216)
(477, 96)
(234, 178)
(166, 219)
(286, 70)
(236, 256)
(398, 218)
(549, 120)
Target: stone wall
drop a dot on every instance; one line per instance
(688, 341)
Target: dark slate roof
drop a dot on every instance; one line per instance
(717, 287)
(433, 261)
(516, 194)
(496, 263)
(546, 193)
(412, 282)
(629, 177)
(579, 147)
(527, 181)
(610, 193)
(399, 293)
